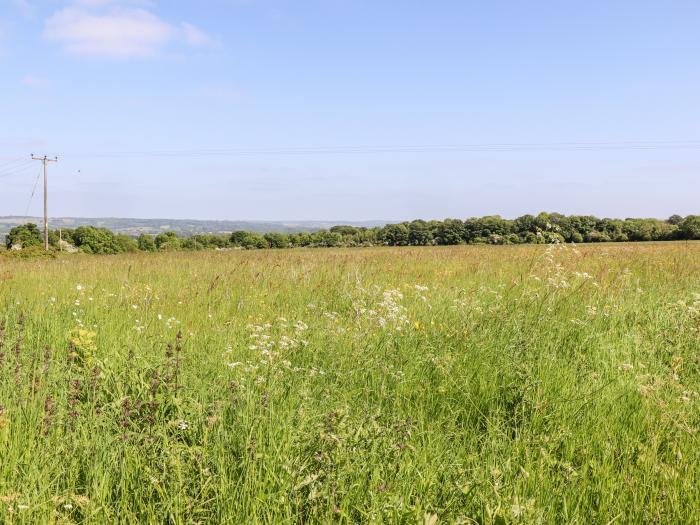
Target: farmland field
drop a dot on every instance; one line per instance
(523, 384)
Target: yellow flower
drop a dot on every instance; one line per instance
(83, 344)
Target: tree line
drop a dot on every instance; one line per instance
(544, 228)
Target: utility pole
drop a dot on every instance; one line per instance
(45, 160)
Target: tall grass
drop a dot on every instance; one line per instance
(432, 385)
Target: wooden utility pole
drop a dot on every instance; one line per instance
(45, 160)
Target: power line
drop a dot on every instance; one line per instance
(419, 148)
(12, 161)
(11, 170)
(36, 183)
(16, 171)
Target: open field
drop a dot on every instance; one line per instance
(523, 384)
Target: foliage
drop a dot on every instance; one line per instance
(690, 227)
(26, 236)
(33, 252)
(544, 228)
(146, 243)
(168, 241)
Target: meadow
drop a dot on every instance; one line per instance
(465, 384)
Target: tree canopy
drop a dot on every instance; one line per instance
(534, 229)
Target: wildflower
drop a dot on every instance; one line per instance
(68, 506)
(183, 425)
(79, 287)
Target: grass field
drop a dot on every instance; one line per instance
(522, 384)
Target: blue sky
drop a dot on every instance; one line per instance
(95, 80)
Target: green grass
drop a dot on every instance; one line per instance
(432, 385)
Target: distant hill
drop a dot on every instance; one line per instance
(183, 227)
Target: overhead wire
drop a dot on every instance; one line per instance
(13, 161)
(421, 148)
(9, 168)
(31, 197)
(16, 171)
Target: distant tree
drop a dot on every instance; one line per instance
(344, 230)
(395, 234)
(168, 241)
(25, 236)
(96, 240)
(544, 222)
(450, 232)
(146, 243)
(649, 230)
(690, 227)
(419, 233)
(326, 239)
(300, 239)
(254, 240)
(529, 237)
(126, 243)
(613, 229)
(576, 237)
(485, 229)
(583, 224)
(277, 240)
(675, 220)
(237, 237)
(525, 224)
(597, 236)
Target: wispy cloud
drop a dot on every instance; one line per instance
(195, 36)
(118, 29)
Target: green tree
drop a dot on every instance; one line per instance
(690, 227)
(146, 243)
(277, 240)
(253, 240)
(419, 233)
(344, 230)
(168, 241)
(326, 239)
(450, 232)
(300, 239)
(90, 239)
(395, 234)
(126, 243)
(25, 236)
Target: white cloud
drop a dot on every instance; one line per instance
(117, 29)
(195, 36)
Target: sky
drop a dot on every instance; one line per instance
(340, 109)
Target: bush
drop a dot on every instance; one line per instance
(33, 252)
